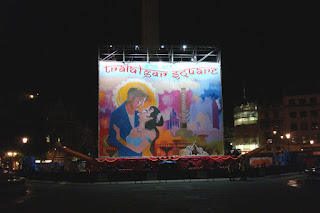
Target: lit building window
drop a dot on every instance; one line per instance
(247, 147)
(48, 139)
(315, 125)
(305, 139)
(243, 118)
(247, 144)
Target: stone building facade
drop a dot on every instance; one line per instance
(292, 125)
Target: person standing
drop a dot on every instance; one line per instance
(243, 171)
(231, 173)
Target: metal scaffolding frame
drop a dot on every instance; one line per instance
(184, 53)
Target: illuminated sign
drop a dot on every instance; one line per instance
(160, 109)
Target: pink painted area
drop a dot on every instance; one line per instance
(172, 100)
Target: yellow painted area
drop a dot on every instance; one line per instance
(146, 152)
(104, 123)
(165, 139)
(101, 96)
(121, 96)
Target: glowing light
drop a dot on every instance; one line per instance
(25, 140)
(184, 47)
(242, 121)
(11, 154)
(245, 117)
(294, 183)
(274, 132)
(162, 46)
(288, 135)
(31, 96)
(247, 147)
(312, 142)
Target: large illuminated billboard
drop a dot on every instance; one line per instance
(160, 109)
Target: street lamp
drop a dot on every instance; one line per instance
(311, 143)
(11, 155)
(25, 140)
(273, 147)
(288, 137)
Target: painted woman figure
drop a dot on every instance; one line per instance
(141, 138)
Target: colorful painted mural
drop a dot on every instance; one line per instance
(160, 109)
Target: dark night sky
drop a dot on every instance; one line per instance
(270, 47)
